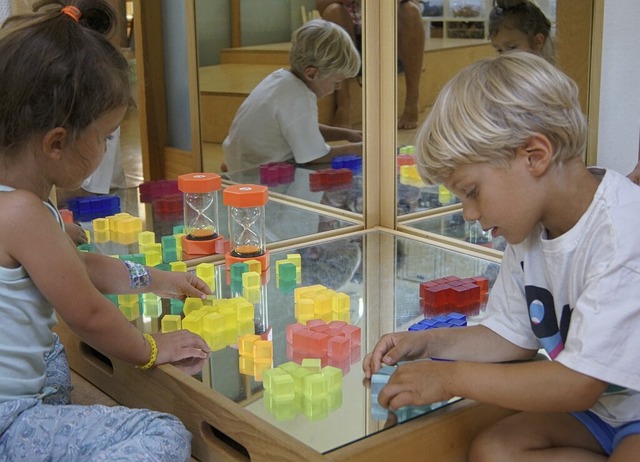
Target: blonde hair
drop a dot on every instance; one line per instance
(325, 46)
(492, 107)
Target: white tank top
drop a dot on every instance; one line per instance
(26, 320)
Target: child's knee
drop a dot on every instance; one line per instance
(491, 445)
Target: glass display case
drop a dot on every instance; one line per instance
(379, 273)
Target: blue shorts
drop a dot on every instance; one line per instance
(609, 437)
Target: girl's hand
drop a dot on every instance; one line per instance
(180, 285)
(76, 233)
(184, 349)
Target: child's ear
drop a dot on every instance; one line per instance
(54, 142)
(311, 72)
(538, 41)
(539, 154)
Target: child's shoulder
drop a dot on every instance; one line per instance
(16, 204)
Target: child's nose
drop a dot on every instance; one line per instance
(470, 212)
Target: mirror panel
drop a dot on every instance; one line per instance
(455, 34)
(227, 74)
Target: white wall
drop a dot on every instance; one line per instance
(619, 122)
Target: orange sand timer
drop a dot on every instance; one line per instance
(246, 223)
(200, 204)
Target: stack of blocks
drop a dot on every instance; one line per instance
(88, 208)
(289, 272)
(335, 343)
(134, 305)
(126, 230)
(256, 355)
(307, 388)
(121, 228)
(152, 190)
(406, 156)
(220, 322)
(318, 302)
(378, 381)
(149, 304)
(248, 275)
(451, 293)
(329, 178)
(409, 175)
(443, 320)
(276, 173)
(169, 207)
(351, 161)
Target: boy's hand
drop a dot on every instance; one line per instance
(354, 136)
(180, 285)
(417, 384)
(394, 347)
(184, 349)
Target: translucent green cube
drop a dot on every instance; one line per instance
(314, 386)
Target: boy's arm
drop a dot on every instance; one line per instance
(330, 133)
(475, 343)
(537, 386)
(339, 150)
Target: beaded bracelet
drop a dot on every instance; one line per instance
(154, 352)
(138, 274)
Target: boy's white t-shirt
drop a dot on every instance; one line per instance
(578, 296)
(277, 122)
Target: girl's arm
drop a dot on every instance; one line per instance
(32, 237)
(111, 276)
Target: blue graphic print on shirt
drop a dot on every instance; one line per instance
(544, 322)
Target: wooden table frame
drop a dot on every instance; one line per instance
(225, 431)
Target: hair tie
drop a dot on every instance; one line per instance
(72, 11)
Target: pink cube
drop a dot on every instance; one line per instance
(317, 343)
(291, 328)
(339, 347)
(353, 332)
(299, 339)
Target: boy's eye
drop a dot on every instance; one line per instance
(472, 194)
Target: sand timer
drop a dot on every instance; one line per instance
(200, 204)
(246, 223)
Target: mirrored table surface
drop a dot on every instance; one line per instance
(283, 221)
(381, 273)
